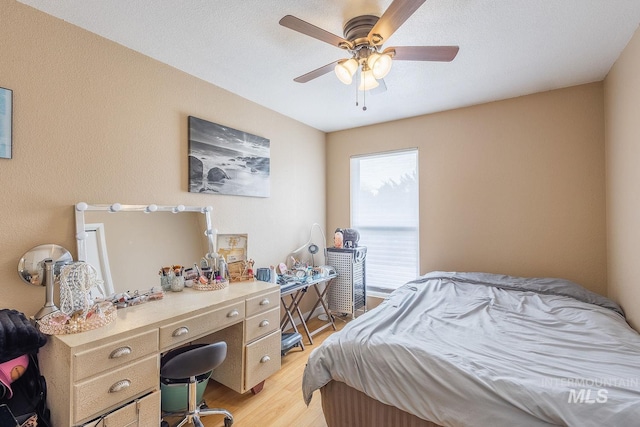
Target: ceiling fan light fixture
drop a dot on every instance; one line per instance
(380, 64)
(367, 81)
(345, 70)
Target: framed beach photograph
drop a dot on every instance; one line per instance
(6, 115)
(223, 160)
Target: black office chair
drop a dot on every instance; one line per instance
(184, 368)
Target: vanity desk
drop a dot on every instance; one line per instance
(113, 371)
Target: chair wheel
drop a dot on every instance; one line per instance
(228, 422)
(163, 423)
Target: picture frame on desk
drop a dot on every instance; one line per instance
(233, 247)
(6, 123)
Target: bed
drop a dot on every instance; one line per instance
(477, 349)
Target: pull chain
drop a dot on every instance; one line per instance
(364, 92)
(356, 86)
(364, 97)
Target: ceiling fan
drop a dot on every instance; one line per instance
(363, 38)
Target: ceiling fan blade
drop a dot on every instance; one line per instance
(311, 30)
(392, 18)
(423, 53)
(316, 73)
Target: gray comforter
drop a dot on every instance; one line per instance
(474, 349)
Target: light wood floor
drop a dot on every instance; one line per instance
(280, 402)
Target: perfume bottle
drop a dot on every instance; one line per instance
(222, 268)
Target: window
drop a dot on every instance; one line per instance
(384, 209)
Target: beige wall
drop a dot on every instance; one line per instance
(514, 187)
(622, 124)
(96, 122)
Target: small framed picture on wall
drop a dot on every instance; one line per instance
(6, 114)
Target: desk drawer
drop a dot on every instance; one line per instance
(262, 303)
(141, 412)
(263, 359)
(114, 354)
(261, 324)
(198, 326)
(115, 387)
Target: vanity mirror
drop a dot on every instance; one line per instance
(31, 267)
(129, 244)
(40, 266)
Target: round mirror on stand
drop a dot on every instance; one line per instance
(31, 266)
(313, 249)
(39, 266)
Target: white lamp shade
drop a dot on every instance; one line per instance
(345, 70)
(367, 81)
(379, 64)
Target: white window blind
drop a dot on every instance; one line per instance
(384, 209)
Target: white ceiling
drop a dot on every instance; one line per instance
(508, 48)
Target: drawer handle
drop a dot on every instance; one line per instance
(119, 386)
(265, 301)
(264, 323)
(233, 313)
(119, 352)
(265, 359)
(183, 330)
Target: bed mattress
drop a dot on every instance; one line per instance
(467, 349)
